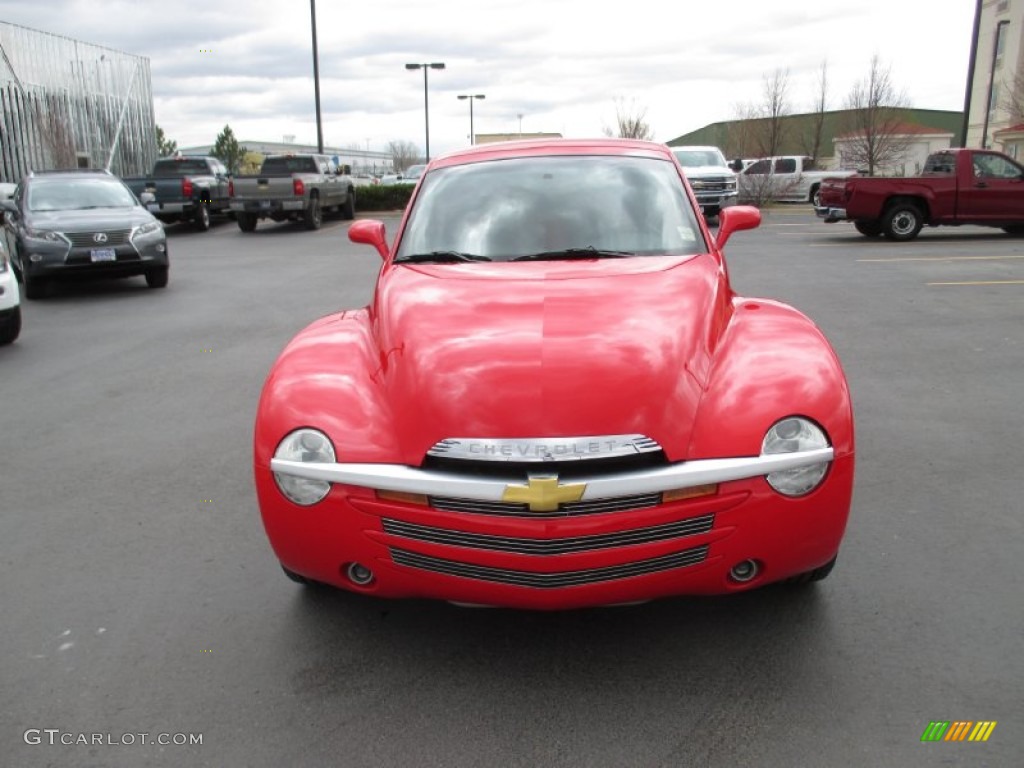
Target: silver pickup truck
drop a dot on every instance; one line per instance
(294, 187)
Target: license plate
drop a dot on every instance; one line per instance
(103, 254)
(264, 203)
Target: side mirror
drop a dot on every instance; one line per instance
(735, 218)
(736, 165)
(147, 197)
(370, 232)
(8, 205)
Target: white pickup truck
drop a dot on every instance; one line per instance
(788, 178)
(711, 179)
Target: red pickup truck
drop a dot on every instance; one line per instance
(958, 186)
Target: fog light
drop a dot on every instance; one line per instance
(359, 574)
(35, 258)
(744, 571)
(160, 248)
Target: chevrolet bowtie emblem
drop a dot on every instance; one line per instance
(543, 493)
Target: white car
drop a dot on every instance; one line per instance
(10, 300)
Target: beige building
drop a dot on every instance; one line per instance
(998, 67)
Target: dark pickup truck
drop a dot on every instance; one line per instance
(957, 186)
(185, 188)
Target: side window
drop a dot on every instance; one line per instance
(997, 167)
(785, 165)
(758, 169)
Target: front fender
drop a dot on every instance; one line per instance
(773, 362)
(328, 378)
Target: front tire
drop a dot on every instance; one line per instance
(314, 216)
(818, 574)
(902, 221)
(348, 210)
(35, 288)
(157, 278)
(299, 579)
(202, 217)
(11, 327)
(868, 228)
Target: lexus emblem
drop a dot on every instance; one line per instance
(99, 237)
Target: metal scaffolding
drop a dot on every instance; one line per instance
(70, 104)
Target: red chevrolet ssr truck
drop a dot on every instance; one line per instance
(958, 186)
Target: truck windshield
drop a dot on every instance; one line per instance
(502, 210)
(695, 158)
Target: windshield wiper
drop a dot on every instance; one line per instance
(590, 252)
(439, 256)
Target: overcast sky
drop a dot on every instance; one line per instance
(562, 65)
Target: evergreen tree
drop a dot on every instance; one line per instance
(227, 149)
(164, 146)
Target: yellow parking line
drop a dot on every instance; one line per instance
(983, 282)
(944, 258)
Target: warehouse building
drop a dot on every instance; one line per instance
(65, 103)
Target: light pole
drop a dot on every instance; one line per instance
(471, 97)
(426, 101)
(316, 80)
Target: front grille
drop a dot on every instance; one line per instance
(115, 237)
(563, 546)
(511, 509)
(713, 184)
(550, 580)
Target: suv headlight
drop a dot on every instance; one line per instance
(46, 235)
(147, 229)
(791, 435)
(307, 445)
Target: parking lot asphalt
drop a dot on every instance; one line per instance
(141, 596)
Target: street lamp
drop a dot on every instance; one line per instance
(472, 96)
(426, 103)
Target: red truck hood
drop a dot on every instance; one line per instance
(548, 349)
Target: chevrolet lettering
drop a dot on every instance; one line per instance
(555, 400)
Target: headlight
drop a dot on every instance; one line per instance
(148, 229)
(307, 445)
(46, 235)
(790, 436)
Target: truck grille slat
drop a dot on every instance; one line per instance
(550, 580)
(533, 546)
(642, 501)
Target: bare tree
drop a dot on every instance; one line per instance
(814, 128)
(772, 113)
(740, 133)
(630, 122)
(403, 154)
(875, 133)
(1013, 101)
